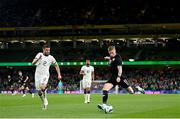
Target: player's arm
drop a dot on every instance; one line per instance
(119, 73)
(107, 58)
(92, 74)
(35, 60)
(119, 67)
(58, 70)
(27, 78)
(82, 72)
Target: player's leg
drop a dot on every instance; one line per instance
(130, 90)
(43, 90)
(85, 96)
(12, 90)
(88, 95)
(30, 91)
(106, 88)
(85, 90)
(37, 85)
(124, 83)
(23, 90)
(43, 87)
(88, 91)
(41, 93)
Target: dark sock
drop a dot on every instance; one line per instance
(88, 92)
(30, 91)
(23, 91)
(105, 96)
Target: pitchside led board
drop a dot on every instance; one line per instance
(98, 63)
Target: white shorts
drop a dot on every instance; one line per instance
(40, 80)
(86, 84)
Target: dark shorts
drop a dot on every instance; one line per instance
(123, 83)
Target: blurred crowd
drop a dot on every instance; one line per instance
(149, 79)
(95, 54)
(68, 12)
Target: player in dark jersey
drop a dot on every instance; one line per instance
(10, 84)
(24, 84)
(116, 77)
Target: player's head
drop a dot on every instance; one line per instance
(112, 51)
(20, 73)
(87, 62)
(9, 76)
(46, 49)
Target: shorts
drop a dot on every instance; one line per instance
(86, 84)
(123, 83)
(40, 80)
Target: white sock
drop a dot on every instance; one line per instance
(88, 97)
(85, 97)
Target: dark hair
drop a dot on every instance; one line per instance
(46, 46)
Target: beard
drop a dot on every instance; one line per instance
(46, 54)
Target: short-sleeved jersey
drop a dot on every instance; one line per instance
(88, 71)
(115, 61)
(42, 66)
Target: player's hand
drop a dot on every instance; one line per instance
(84, 74)
(107, 58)
(118, 79)
(59, 77)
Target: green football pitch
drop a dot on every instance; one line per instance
(72, 106)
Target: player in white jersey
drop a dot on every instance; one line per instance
(43, 61)
(88, 76)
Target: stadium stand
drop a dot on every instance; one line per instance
(46, 13)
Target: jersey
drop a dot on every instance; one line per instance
(42, 69)
(43, 65)
(23, 80)
(88, 71)
(114, 62)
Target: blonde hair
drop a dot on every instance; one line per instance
(111, 48)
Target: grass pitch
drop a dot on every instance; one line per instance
(72, 106)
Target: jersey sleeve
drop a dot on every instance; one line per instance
(92, 69)
(54, 62)
(38, 55)
(119, 61)
(82, 68)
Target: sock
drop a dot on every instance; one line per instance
(23, 91)
(30, 91)
(12, 91)
(105, 96)
(88, 96)
(41, 96)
